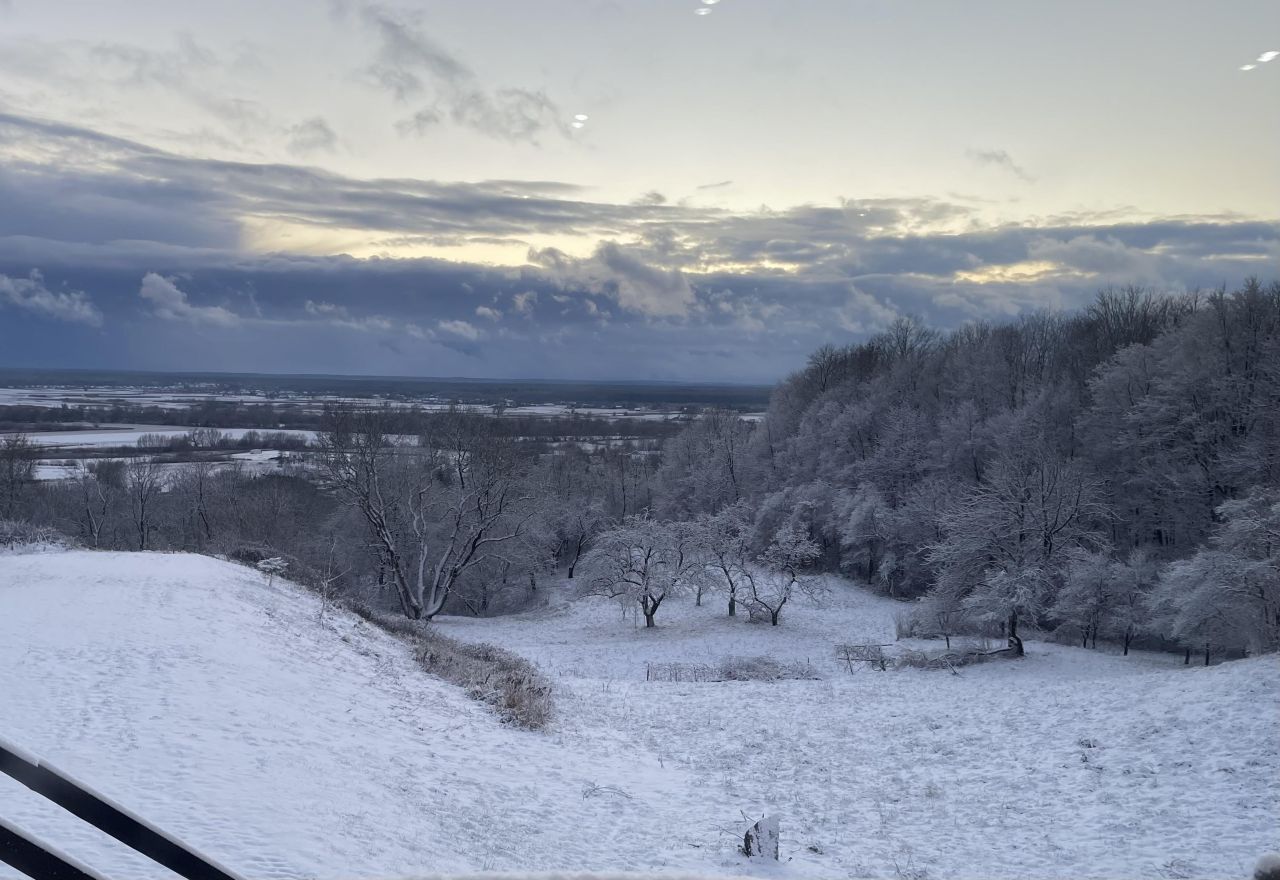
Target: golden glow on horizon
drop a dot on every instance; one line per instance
(1021, 272)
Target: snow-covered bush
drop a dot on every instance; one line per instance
(273, 566)
(763, 669)
(732, 669)
(23, 537)
(946, 659)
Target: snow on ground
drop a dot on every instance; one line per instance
(128, 435)
(1068, 763)
(288, 744)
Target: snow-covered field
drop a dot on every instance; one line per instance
(180, 399)
(290, 743)
(128, 435)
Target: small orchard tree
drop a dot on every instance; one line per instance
(686, 558)
(726, 537)
(1133, 580)
(1089, 592)
(941, 615)
(635, 562)
(272, 567)
(771, 585)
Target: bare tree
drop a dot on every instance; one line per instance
(727, 542)
(17, 469)
(433, 512)
(636, 562)
(771, 585)
(143, 481)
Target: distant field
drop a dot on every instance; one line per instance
(51, 387)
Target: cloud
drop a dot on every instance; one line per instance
(524, 301)
(464, 329)
(33, 295)
(170, 303)
(653, 197)
(340, 316)
(623, 274)
(863, 313)
(409, 65)
(656, 290)
(311, 136)
(999, 159)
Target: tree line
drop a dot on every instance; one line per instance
(1110, 473)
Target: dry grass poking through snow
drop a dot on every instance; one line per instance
(505, 681)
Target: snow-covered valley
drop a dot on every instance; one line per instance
(292, 740)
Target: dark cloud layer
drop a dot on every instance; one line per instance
(113, 253)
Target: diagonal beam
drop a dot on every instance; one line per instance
(107, 816)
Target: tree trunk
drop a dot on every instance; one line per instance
(577, 554)
(1186, 661)
(1206, 653)
(1015, 643)
(773, 617)
(733, 604)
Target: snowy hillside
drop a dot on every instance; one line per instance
(290, 743)
(286, 745)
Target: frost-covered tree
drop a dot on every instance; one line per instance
(1006, 540)
(776, 577)
(637, 562)
(1088, 592)
(1228, 594)
(704, 467)
(726, 538)
(865, 535)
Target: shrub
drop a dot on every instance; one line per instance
(505, 681)
(28, 537)
(731, 669)
(946, 659)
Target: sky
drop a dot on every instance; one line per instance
(635, 189)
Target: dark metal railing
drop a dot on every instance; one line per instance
(43, 862)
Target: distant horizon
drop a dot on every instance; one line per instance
(6, 370)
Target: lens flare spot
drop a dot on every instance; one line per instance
(702, 10)
(1264, 57)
